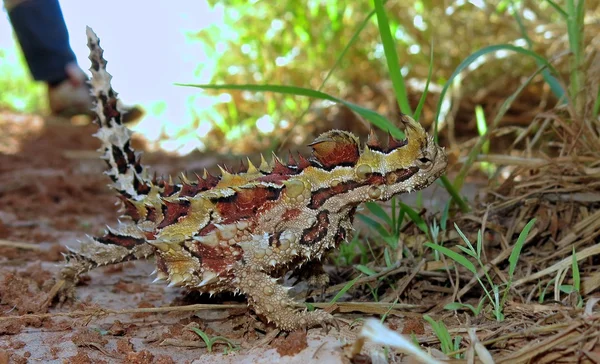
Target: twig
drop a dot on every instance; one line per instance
(19, 245)
(363, 307)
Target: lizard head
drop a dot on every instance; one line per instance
(378, 172)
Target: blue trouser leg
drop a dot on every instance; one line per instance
(42, 33)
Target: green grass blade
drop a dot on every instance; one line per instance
(399, 220)
(567, 288)
(393, 64)
(454, 256)
(464, 238)
(204, 337)
(575, 32)
(479, 243)
(455, 306)
(575, 269)
(543, 293)
(387, 257)
(445, 216)
(516, 252)
(441, 332)
(596, 110)
(424, 95)
(555, 86)
(344, 289)
(372, 116)
(394, 217)
(475, 55)
(415, 217)
(374, 225)
(558, 8)
(378, 211)
(467, 251)
(482, 127)
(366, 270)
(462, 204)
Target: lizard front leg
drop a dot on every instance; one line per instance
(269, 298)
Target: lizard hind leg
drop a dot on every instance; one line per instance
(271, 300)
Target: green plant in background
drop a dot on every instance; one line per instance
(482, 127)
(344, 289)
(211, 341)
(447, 344)
(554, 84)
(19, 91)
(574, 288)
(496, 294)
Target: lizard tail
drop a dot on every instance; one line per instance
(128, 176)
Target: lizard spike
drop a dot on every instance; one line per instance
(274, 160)
(394, 143)
(205, 174)
(367, 153)
(176, 280)
(373, 141)
(291, 161)
(208, 277)
(210, 240)
(184, 179)
(170, 180)
(242, 168)
(280, 168)
(211, 180)
(226, 177)
(302, 162)
(264, 166)
(251, 167)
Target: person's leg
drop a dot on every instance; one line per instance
(41, 31)
(40, 28)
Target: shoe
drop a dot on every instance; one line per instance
(73, 97)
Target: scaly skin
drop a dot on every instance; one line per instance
(240, 232)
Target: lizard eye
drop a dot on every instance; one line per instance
(424, 162)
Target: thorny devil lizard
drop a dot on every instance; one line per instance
(241, 232)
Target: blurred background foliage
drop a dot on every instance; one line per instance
(298, 42)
